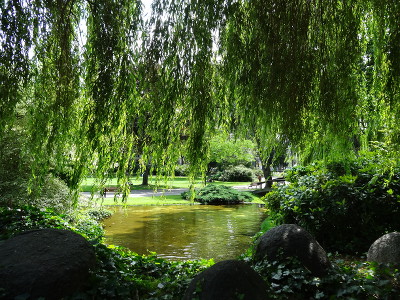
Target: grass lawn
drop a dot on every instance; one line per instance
(89, 183)
(156, 200)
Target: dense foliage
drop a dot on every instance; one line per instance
(17, 220)
(16, 181)
(23, 218)
(349, 279)
(218, 194)
(345, 205)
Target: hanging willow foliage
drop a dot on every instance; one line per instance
(181, 44)
(99, 89)
(52, 106)
(110, 80)
(291, 61)
(15, 41)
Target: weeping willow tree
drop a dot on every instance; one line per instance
(96, 86)
(75, 81)
(317, 73)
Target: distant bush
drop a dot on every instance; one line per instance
(182, 170)
(345, 206)
(238, 173)
(219, 194)
(214, 173)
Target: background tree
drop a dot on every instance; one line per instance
(226, 150)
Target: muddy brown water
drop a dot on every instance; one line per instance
(185, 232)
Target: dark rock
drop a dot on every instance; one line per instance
(293, 241)
(48, 263)
(226, 280)
(386, 249)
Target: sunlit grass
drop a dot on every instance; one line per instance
(155, 200)
(90, 184)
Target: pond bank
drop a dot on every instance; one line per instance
(148, 197)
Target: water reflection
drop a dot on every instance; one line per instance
(185, 231)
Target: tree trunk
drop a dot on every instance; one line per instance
(146, 173)
(266, 168)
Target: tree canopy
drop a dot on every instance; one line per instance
(321, 75)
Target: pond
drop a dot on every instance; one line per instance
(183, 232)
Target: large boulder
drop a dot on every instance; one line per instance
(226, 280)
(291, 240)
(386, 249)
(48, 263)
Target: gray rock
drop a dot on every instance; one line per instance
(293, 241)
(386, 249)
(227, 280)
(48, 263)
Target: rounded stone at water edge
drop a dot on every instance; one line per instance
(386, 249)
(227, 280)
(291, 240)
(45, 263)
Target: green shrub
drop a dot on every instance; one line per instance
(55, 194)
(219, 194)
(238, 173)
(344, 212)
(182, 170)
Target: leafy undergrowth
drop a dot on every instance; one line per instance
(122, 274)
(348, 279)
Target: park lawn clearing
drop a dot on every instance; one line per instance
(89, 184)
(154, 200)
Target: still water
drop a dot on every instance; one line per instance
(182, 232)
